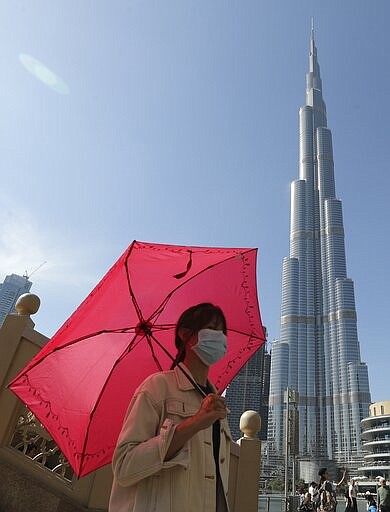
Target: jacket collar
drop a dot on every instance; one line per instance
(183, 383)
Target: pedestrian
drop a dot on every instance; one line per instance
(302, 494)
(347, 500)
(173, 452)
(383, 495)
(327, 491)
(312, 488)
(307, 504)
(368, 496)
(315, 494)
(372, 507)
(352, 496)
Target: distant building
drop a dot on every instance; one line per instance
(10, 290)
(249, 390)
(376, 442)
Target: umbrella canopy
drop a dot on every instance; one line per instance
(80, 384)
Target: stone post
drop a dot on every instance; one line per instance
(248, 473)
(18, 345)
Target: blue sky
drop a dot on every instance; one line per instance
(181, 126)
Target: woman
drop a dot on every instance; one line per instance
(173, 451)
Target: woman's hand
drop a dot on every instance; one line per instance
(211, 409)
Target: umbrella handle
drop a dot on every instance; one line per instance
(189, 377)
(195, 384)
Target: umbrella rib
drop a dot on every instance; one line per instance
(70, 343)
(159, 309)
(119, 359)
(246, 334)
(71, 442)
(135, 303)
(153, 353)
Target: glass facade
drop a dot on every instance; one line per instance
(13, 287)
(249, 390)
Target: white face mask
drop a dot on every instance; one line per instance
(211, 346)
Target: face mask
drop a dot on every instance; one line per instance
(211, 346)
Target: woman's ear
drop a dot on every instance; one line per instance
(184, 334)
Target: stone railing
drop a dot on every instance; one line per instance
(34, 474)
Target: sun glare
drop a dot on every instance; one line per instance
(44, 74)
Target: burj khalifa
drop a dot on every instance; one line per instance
(318, 351)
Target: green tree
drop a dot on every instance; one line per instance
(276, 484)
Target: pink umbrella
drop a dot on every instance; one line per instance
(80, 384)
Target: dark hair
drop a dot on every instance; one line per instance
(194, 319)
(322, 471)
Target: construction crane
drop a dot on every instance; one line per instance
(27, 275)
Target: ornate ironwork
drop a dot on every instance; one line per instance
(34, 442)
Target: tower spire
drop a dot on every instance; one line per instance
(313, 77)
(313, 64)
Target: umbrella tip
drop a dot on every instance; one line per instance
(27, 304)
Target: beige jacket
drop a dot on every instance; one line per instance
(143, 482)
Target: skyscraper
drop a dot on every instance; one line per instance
(12, 288)
(249, 390)
(318, 352)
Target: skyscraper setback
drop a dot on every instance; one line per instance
(318, 352)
